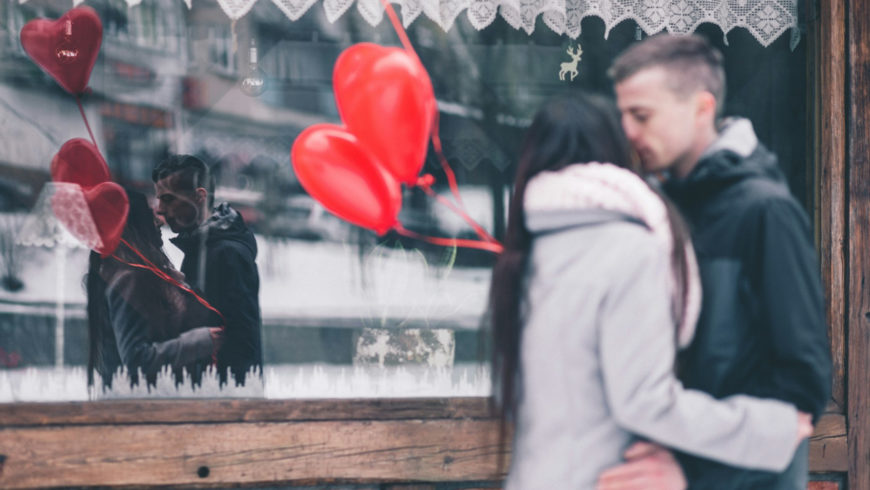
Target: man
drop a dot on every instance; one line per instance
(762, 328)
(219, 253)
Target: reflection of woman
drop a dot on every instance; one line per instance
(595, 276)
(138, 320)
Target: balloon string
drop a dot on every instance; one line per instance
(436, 142)
(456, 209)
(451, 177)
(166, 277)
(436, 139)
(403, 36)
(87, 125)
(450, 242)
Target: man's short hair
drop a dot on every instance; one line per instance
(192, 173)
(691, 63)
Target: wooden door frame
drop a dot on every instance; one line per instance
(839, 35)
(858, 265)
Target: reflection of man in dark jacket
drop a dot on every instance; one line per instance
(762, 329)
(219, 253)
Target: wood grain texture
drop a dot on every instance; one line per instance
(830, 60)
(184, 411)
(823, 485)
(313, 451)
(259, 453)
(858, 365)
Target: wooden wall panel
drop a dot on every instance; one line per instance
(858, 366)
(260, 453)
(830, 50)
(276, 442)
(828, 446)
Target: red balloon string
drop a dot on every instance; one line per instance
(423, 184)
(436, 141)
(82, 110)
(403, 36)
(450, 242)
(166, 277)
(451, 177)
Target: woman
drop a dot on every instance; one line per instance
(596, 287)
(139, 320)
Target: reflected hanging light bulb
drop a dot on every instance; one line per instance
(254, 81)
(66, 50)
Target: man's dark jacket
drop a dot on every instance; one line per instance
(762, 330)
(219, 261)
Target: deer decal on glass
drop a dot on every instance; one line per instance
(571, 66)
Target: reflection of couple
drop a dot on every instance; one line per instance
(144, 322)
(598, 289)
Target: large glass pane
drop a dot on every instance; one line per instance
(344, 312)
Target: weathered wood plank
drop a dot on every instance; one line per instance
(823, 485)
(858, 365)
(828, 445)
(434, 450)
(830, 425)
(829, 454)
(273, 453)
(182, 411)
(831, 165)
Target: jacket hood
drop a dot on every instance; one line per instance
(589, 194)
(735, 155)
(542, 222)
(225, 223)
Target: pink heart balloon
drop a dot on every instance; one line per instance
(78, 161)
(66, 48)
(345, 177)
(95, 216)
(385, 98)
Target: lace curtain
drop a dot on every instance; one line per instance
(766, 20)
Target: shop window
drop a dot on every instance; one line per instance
(344, 312)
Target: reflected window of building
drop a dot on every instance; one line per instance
(343, 311)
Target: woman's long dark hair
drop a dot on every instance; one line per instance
(141, 232)
(565, 131)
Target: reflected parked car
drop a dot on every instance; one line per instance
(304, 218)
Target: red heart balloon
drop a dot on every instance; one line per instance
(345, 177)
(385, 98)
(96, 216)
(66, 48)
(78, 161)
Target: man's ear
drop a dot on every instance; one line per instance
(706, 105)
(201, 194)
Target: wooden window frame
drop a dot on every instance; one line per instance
(222, 442)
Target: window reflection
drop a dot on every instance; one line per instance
(344, 312)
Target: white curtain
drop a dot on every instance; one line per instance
(766, 20)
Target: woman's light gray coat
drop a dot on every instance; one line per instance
(597, 361)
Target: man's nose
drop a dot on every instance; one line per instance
(630, 129)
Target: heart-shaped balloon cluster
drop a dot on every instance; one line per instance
(65, 48)
(91, 207)
(387, 104)
(101, 220)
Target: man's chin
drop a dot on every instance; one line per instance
(652, 167)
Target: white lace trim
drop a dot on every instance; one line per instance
(766, 20)
(42, 228)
